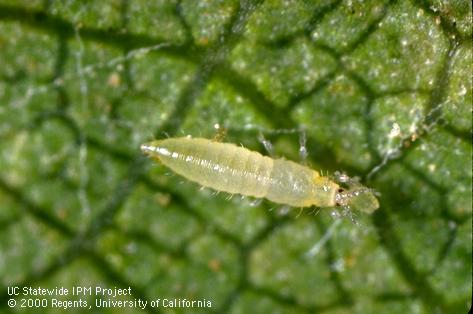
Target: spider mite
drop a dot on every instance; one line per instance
(230, 168)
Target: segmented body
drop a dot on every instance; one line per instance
(234, 169)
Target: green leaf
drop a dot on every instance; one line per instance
(383, 90)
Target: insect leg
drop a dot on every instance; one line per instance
(266, 143)
(300, 212)
(314, 211)
(347, 212)
(303, 153)
(220, 134)
(256, 202)
(284, 210)
(342, 177)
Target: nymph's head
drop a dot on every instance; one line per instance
(354, 196)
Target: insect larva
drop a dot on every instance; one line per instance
(234, 169)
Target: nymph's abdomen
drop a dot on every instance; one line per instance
(221, 166)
